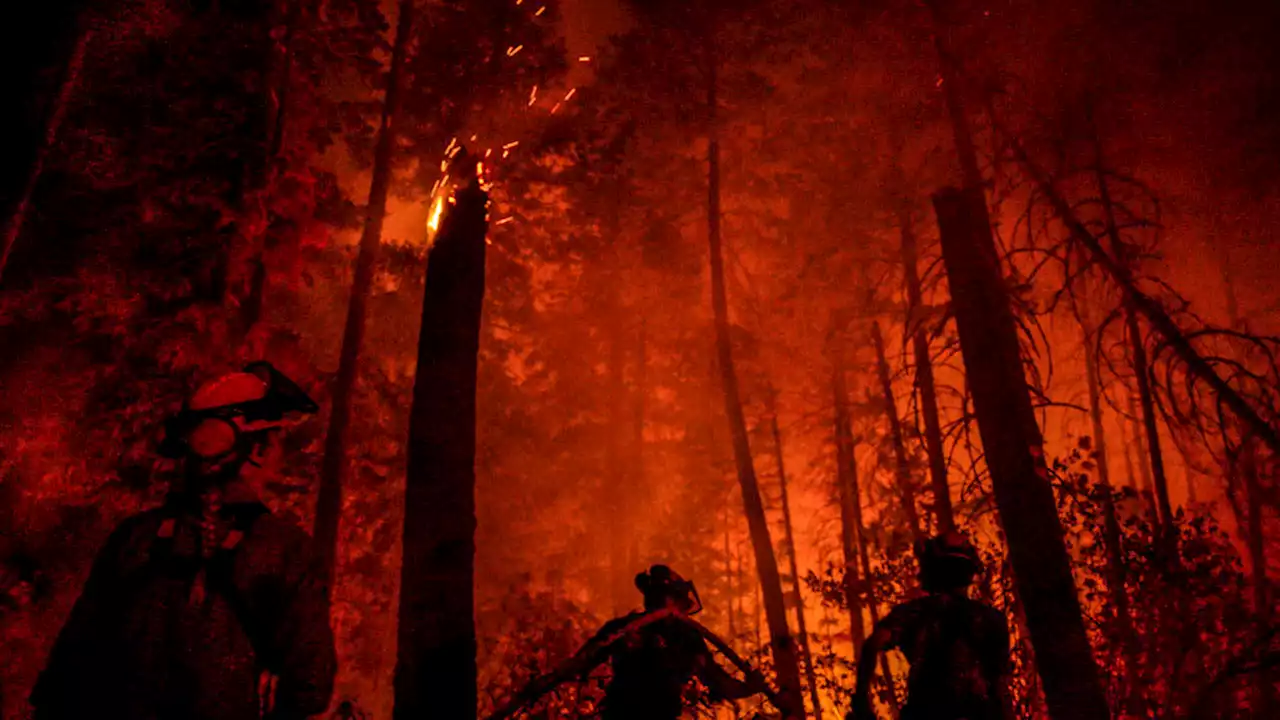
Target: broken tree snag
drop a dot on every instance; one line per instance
(1015, 457)
(436, 660)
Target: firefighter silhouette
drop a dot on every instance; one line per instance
(208, 607)
(958, 648)
(654, 655)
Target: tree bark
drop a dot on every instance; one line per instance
(811, 676)
(850, 517)
(436, 657)
(67, 86)
(901, 466)
(784, 650)
(943, 513)
(1015, 457)
(334, 464)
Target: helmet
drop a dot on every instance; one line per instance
(660, 583)
(224, 417)
(947, 561)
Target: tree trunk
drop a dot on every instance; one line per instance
(1144, 468)
(57, 111)
(1141, 368)
(811, 676)
(850, 517)
(942, 509)
(1015, 457)
(1117, 576)
(436, 657)
(784, 651)
(334, 465)
(279, 78)
(901, 467)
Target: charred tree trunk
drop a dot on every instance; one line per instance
(901, 466)
(436, 657)
(1144, 468)
(1138, 350)
(1015, 457)
(334, 465)
(1117, 576)
(811, 676)
(942, 509)
(783, 646)
(850, 517)
(279, 77)
(57, 111)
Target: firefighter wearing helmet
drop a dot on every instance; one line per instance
(208, 607)
(958, 648)
(654, 655)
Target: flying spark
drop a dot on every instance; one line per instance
(540, 11)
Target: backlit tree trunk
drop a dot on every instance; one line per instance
(1116, 571)
(811, 676)
(334, 464)
(850, 517)
(1138, 356)
(781, 642)
(901, 468)
(279, 77)
(436, 659)
(942, 509)
(1015, 457)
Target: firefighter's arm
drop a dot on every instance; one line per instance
(304, 641)
(880, 640)
(75, 647)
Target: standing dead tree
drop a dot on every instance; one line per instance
(436, 654)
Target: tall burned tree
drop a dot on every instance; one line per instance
(901, 465)
(811, 676)
(1011, 439)
(1014, 452)
(782, 644)
(850, 503)
(436, 657)
(915, 327)
(333, 467)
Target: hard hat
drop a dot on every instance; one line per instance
(222, 412)
(660, 581)
(948, 560)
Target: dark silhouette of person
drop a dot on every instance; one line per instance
(208, 607)
(958, 648)
(654, 655)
